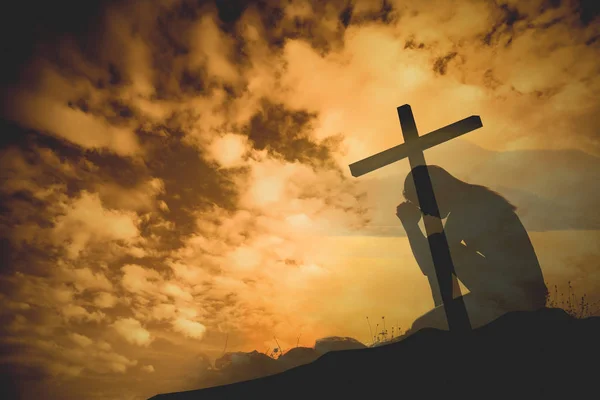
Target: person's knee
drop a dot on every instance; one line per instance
(435, 318)
(418, 324)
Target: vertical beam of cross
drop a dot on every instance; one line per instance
(413, 147)
(456, 312)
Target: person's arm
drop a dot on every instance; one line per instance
(410, 215)
(484, 275)
(420, 248)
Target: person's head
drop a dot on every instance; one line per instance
(451, 193)
(447, 189)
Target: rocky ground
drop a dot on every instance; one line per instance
(545, 353)
(241, 366)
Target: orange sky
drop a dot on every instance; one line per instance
(170, 179)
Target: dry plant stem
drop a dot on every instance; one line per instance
(569, 302)
(225, 348)
(278, 346)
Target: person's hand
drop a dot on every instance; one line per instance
(408, 213)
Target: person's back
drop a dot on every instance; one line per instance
(488, 225)
(490, 249)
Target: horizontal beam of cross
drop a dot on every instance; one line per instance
(424, 142)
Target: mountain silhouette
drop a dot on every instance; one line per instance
(520, 355)
(552, 189)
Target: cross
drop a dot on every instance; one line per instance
(413, 147)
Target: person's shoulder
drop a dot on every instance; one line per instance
(473, 219)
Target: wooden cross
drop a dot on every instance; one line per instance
(413, 146)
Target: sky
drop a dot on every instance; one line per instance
(175, 173)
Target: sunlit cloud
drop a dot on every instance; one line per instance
(132, 331)
(105, 300)
(189, 328)
(172, 180)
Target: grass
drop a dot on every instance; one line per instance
(383, 336)
(277, 351)
(577, 307)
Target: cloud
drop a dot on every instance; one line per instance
(175, 291)
(105, 300)
(43, 111)
(18, 324)
(192, 274)
(139, 198)
(211, 49)
(229, 150)
(39, 292)
(86, 221)
(140, 280)
(190, 175)
(164, 312)
(189, 328)
(372, 65)
(71, 359)
(148, 368)
(132, 331)
(73, 312)
(81, 340)
(85, 279)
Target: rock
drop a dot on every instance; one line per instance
(238, 366)
(336, 343)
(298, 356)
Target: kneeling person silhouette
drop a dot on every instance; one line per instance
(491, 251)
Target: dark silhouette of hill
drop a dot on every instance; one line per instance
(534, 211)
(545, 353)
(552, 189)
(235, 367)
(568, 178)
